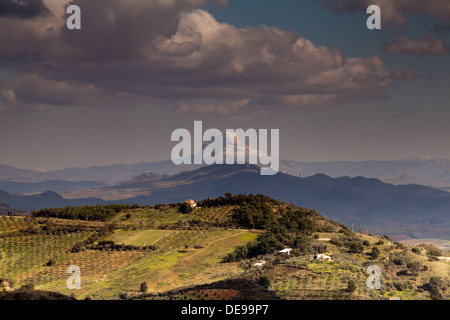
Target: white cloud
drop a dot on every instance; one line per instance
(140, 51)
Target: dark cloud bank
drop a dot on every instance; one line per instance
(23, 9)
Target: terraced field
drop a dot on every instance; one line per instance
(139, 237)
(9, 224)
(41, 258)
(294, 282)
(24, 257)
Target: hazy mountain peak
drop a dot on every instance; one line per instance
(418, 159)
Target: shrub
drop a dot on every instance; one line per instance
(28, 286)
(356, 247)
(264, 281)
(143, 288)
(336, 241)
(375, 253)
(123, 296)
(302, 243)
(414, 267)
(399, 259)
(434, 287)
(351, 286)
(434, 252)
(50, 263)
(185, 208)
(401, 285)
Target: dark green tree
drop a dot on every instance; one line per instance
(143, 288)
(434, 287)
(351, 286)
(356, 247)
(185, 208)
(50, 263)
(264, 281)
(375, 253)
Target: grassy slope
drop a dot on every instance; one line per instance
(167, 271)
(301, 278)
(138, 237)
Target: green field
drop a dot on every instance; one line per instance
(139, 237)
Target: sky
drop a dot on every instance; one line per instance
(114, 91)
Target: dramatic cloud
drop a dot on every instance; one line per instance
(131, 52)
(23, 9)
(37, 92)
(241, 109)
(423, 47)
(395, 11)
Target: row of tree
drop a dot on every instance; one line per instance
(92, 213)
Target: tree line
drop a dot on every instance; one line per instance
(92, 213)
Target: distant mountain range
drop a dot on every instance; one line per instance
(109, 174)
(48, 199)
(417, 170)
(53, 185)
(361, 201)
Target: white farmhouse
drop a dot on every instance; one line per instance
(322, 257)
(259, 264)
(191, 203)
(287, 250)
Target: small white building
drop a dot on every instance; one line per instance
(259, 264)
(191, 203)
(322, 257)
(287, 251)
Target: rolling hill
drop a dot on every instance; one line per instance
(210, 253)
(48, 199)
(53, 185)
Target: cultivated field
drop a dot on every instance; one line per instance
(166, 249)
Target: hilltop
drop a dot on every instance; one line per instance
(213, 251)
